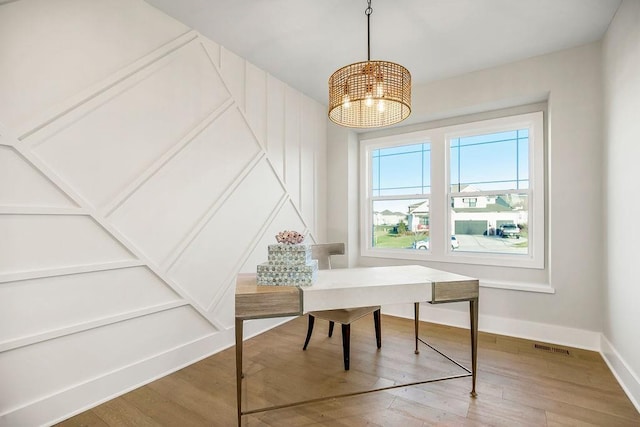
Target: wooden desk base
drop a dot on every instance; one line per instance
(257, 302)
(473, 311)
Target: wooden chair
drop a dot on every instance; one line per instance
(345, 317)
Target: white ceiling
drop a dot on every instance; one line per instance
(302, 42)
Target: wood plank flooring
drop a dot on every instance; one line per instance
(518, 385)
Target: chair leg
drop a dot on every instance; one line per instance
(376, 324)
(309, 330)
(346, 345)
(331, 323)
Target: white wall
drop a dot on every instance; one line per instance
(621, 59)
(570, 81)
(142, 167)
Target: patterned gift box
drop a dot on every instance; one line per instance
(283, 254)
(287, 275)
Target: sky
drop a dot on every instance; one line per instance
(497, 161)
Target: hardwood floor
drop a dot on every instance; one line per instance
(518, 385)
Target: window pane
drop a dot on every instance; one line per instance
(375, 174)
(400, 224)
(401, 170)
(491, 224)
(523, 156)
(496, 161)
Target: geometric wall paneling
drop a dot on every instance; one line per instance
(134, 186)
(22, 185)
(46, 48)
(36, 371)
(5, 140)
(256, 101)
(32, 243)
(308, 147)
(224, 310)
(186, 188)
(292, 120)
(213, 50)
(275, 123)
(319, 186)
(60, 304)
(287, 218)
(214, 256)
(232, 70)
(142, 166)
(134, 124)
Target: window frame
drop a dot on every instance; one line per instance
(441, 192)
(367, 220)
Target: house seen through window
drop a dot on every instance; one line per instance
(399, 172)
(463, 193)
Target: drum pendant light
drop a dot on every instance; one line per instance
(369, 94)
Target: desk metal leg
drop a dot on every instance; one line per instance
(473, 314)
(416, 317)
(239, 335)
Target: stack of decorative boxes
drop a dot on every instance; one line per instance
(288, 265)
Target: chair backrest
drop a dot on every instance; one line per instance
(322, 252)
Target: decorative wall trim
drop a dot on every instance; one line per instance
(230, 281)
(6, 137)
(628, 380)
(81, 397)
(85, 326)
(197, 228)
(552, 334)
(544, 288)
(63, 271)
(124, 182)
(114, 233)
(33, 126)
(38, 210)
(117, 201)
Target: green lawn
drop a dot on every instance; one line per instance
(385, 240)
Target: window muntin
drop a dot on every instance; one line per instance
(493, 161)
(401, 170)
(496, 161)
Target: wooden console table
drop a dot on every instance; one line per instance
(355, 287)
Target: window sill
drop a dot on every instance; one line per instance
(456, 257)
(543, 288)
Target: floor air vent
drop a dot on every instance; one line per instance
(551, 349)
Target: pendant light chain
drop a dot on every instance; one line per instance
(368, 11)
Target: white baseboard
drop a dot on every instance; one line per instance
(627, 379)
(578, 338)
(84, 396)
(552, 334)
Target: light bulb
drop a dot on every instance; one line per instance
(381, 106)
(346, 101)
(368, 100)
(379, 90)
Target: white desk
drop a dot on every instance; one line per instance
(354, 287)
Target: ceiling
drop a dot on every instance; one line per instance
(302, 42)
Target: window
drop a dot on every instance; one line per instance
(469, 202)
(470, 193)
(400, 186)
